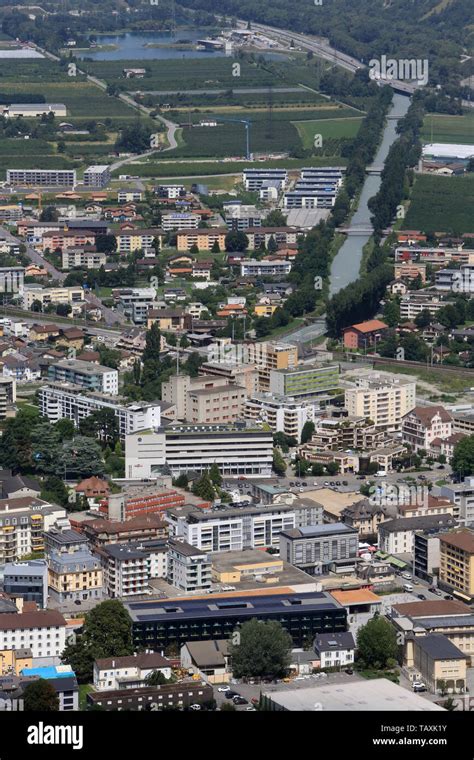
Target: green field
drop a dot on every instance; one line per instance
(328, 129)
(441, 204)
(455, 129)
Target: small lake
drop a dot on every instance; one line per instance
(132, 46)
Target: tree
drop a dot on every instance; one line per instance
(40, 696)
(101, 424)
(332, 468)
(204, 488)
(49, 214)
(275, 218)
(236, 241)
(424, 318)
(307, 431)
(391, 313)
(63, 309)
(106, 243)
(279, 465)
(463, 457)
(156, 678)
(317, 469)
(182, 481)
(215, 475)
(263, 649)
(107, 632)
(81, 457)
(65, 428)
(53, 489)
(377, 642)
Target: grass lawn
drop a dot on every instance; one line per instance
(446, 383)
(446, 128)
(84, 690)
(175, 169)
(328, 128)
(441, 204)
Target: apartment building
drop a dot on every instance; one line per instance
(59, 401)
(385, 402)
(23, 521)
(135, 303)
(44, 632)
(244, 375)
(75, 575)
(440, 664)
(364, 335)
(315, 548)
(236, 448)
(341, 434)
(281, 413)
(415, 302)
(398, 536)
(169, 696)
(170, 222)
(270, 268)
(230, 529)
(172, 192)
(129, 241)
(268, 356)
(169, 320)
(63, 240)
(93, 377)
(101, 532)
(81, 257)
(211, 406)
(97, 176)
(240, 217)
(47, 296)
(456, 569)
(254, 179)
(140, 500)
(126, 570)
(426, 554)
(189, 568)
(306, 381)
(27, 580)
(424, 424)
(462, 497)
(42, 177)
(205, 239)
(12, 280)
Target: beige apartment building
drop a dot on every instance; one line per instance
(268, 356)
(383, 401)
(48, 296)
(245, 375)
(439, 663)
(456, 571)
(204, 399)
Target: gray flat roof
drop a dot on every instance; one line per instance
(439, 647)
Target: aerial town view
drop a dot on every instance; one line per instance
(236, 369)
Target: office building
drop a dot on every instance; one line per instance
(306, 381)
(235, 448)
(93, 377)
(53, 296)
(28, 580)
(170, 696)
(316, 547)
(156, 624)
(439, 664)
(42, 177)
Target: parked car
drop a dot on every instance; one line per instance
(349, 671)
(448, 597)
(195, 707)
(345, 483)
(419, 686)
(223, 689)
(421, 596)
(250, 709)
(434, 590)
(304, 484)
(231, 694)
(292, 482)
(240, 700)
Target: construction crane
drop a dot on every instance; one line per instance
(247, 131)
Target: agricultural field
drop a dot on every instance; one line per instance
(452, 129)
(444, 204)
(328, 129)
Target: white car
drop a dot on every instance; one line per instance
(194, 707)
(223, 689)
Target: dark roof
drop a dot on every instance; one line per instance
(418, 523)
(463, 540)
(439, 647)
(332, 642)
(11, 483)
(208, 653)
(27, 620)
(432, 608)
(141, 660)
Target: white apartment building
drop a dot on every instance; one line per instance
(78, 257)
(22, 523)
(12, 280)
(59, 401)
(126, 570)
(46, 296)
(128, 672)
(462, 497)
(171, 222)
(382, 400)
(44, 632)
(42, 177)
(97, 176)
(255, 268)
(93, 377)
(236, 448)
(189, 568)
(232, 530)
(283, 414)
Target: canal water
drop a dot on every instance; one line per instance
(346, 264)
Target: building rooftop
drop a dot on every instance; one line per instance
(356, 596)
(439, 647)
(420, 523)
(432, 609)
(206, 654)
(138, 660)
(463, 540)
(316, 531)
(330, 642)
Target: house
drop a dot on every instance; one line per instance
(334, 650)
(209, 659)
(129, 672)
(93, 488)
(16, 486)
(423, 424)
(364, 334)
(42, 333)
(169, 319)
(397, 287)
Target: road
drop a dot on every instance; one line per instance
(235, 90)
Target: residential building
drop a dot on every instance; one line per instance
(398, 536)
(306, 381)
(271, 268)
(93, 377)
(221, 530)
(129, 241)
(462, 497)
(254, 179)
(334, 650)
(182, 391)
(12, 280)
(97, 176)
(136, 501)
(204, 239)
(426, 554)
(439, 664)
(417, 301)
(63, 400)
(423, 424)
(46, 296)
(156, 624)
(101, 532)
(316, 547)
(189, 568)
(175, 221)
(456, 569)
(172, 192)
(75, 575)
(126, 570)
(208, 659)
(235, 448)
(364, 335)
(385, 402)
(44, 632)
(42, 177)
(169, 320)
(28, 580)
(268, 356)
(81, 257)
(282, 414)
(22, 524)
(129, 672)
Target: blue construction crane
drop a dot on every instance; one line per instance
(247, 130)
